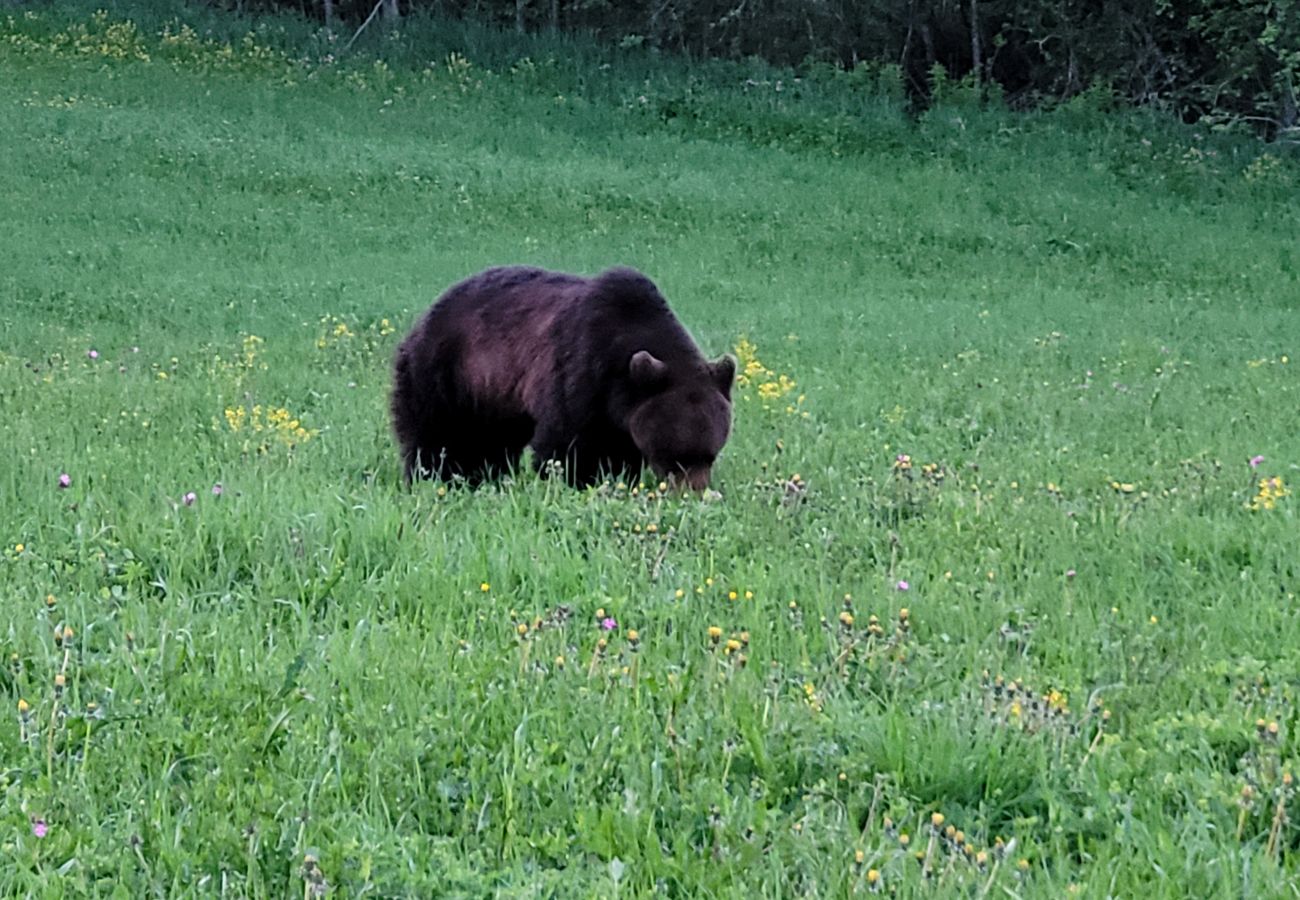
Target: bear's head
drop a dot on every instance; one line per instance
(681, 416)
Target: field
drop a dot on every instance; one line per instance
(999, 598)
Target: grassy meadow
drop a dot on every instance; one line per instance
(999, 598)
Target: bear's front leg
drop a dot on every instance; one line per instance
(554, 448)
(550, 448)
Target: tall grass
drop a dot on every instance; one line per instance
(998, 553)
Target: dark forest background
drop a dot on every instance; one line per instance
(1210, 61)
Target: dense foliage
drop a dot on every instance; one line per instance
(1235, 62)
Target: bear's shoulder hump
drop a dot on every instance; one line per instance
(624, 285)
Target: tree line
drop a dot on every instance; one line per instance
(1228, 61)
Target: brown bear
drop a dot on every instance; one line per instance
(595, 374)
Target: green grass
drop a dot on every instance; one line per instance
(1086, 325)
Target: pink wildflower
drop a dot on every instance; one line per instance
(903, 586)
(1255, 461)
(608, 623)
(93, 354)
(217, 489)
(65, 480)
(1069, 573)
(189, 498)
(39, 828)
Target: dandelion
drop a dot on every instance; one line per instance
(1271, 490)
(873, 626)
(485, 587)
(235, 416)
(65, 480)
(715, 633)
(315, 884)
(601, 645)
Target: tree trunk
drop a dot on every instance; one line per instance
(977, 57)
(390, 13)
(519, 15)
(907, 41)
(555, 15)
(329, 13)
(1290, 114)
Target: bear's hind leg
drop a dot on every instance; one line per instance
(485, 449)
(411, 410)
(427, 428)
(424, 461)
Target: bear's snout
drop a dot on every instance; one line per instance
(695, 479)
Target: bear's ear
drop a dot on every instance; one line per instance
(647, 370)
(723, 370)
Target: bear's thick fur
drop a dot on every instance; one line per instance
(594, 373)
